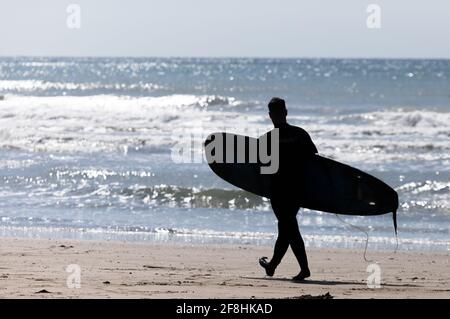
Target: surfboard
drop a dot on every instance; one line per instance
(329, 186)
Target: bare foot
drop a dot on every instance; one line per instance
(302, 275)
(270, 270)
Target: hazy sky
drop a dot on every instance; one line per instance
(281, 28)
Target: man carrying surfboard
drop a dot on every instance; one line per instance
(295, 146)
(297, 177)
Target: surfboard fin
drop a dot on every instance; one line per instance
(394, 216)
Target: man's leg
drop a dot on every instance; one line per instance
(298, 247)
(282, 242)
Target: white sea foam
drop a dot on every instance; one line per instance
(114, 123)
(386, 137)
(109, 123)
(211, 236)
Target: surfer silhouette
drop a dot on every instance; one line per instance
(295, 146)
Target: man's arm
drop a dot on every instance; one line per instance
(307, 143)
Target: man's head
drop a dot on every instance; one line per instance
(277, 111)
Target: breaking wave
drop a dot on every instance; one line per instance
(196, 198)
(109, 123)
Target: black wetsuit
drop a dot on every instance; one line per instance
(295, 147)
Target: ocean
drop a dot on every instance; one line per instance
(86, 146)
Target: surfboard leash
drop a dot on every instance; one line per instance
(361, 230)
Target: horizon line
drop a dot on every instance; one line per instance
(222, 57)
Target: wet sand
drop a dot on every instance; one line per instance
(37, 268)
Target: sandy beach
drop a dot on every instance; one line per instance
(37, 268)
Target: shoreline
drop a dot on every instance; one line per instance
(43, 268)
(168, 236)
